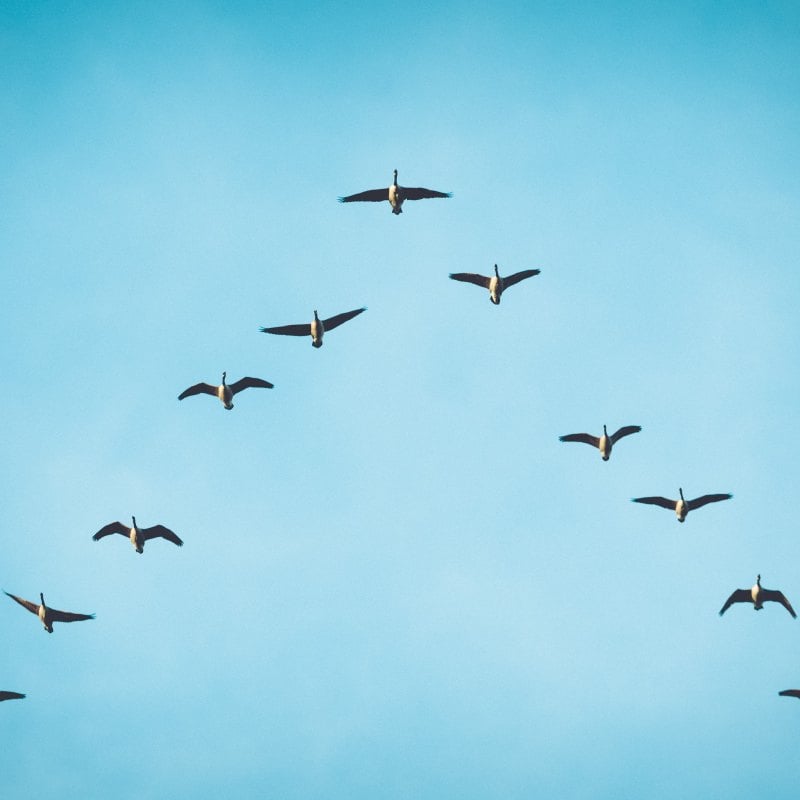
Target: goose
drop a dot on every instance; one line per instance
(757, 596)
(683, 506)
(224, 391)
(784, 693)
(605, 442)
(11, 696)
(396, 195)
(138, 536)
(316, 330)
(48, 615)
(495, 284)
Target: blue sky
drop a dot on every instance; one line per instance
(396, 581)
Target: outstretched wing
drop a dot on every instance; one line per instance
(32, 607)
(519, 276)
(784, 693)
(418, 193)
(370, 196)
(698, 502)
(334, 322)
(112, 527)
(159, 531)
(248, 383)
(471, 277)
(289, 330)
(664, 502)
(626, 431)
(67, 616)
(739, 596)
(777, 597)
(586, 438)
(198, 388)
(11, 696)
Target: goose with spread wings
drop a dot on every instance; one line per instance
(317, 328)
(11, 696)
(137, 535)
(757, 595)
(683, 506)
(49, 615)
(396, 195)
(603, 443)
(494, 283)
(225, 391)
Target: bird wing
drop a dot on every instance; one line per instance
(67, 616)
(248, 383)
(159, 531)
(418, 193)
(790, 693)
(626, 431)
(334, 322)
(289, 330)
(471, 277)
(370, 196)
(198, 388)
(657, 501)
(708, 498)
(739, 596)
(586, 438)
(112, 527)
(519, 276)
(32, 607)
(11, 696)
(777, 597)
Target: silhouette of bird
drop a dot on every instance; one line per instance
(49, 615)
(137, 535)
(757, 596)
(396, 195)
(495, 283)
(605, 442)
(317, 328)
(682, 507)
(224, 391)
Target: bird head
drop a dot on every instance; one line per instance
(224, 375)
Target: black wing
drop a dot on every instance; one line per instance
(199, 388)
(471, 277)
(657, 501)
(519, 276)
(418, 193)
(67, 616)
(698, 502)
(32, 607)
(11, 696)
(334, 322)
(289, 330)
(248, 383)
(586, 438)
(739, 596)
(777, 597)
(159, 531)
(370, 196)
(626, 431)
(112, 527)
(784, 693)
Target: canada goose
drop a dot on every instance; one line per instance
(784, 693)
(495, 284)
(11, 696)
(316, 330)
(605, 442)
(49, 615)
(224, 391)
(757, 596)
(396, 195)
(682, 507)
(138, 536)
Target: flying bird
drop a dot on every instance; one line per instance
(757, 596)
(682, 507)
(605, 442)
(49, 615)
(495, 283)
(396, 195)
(224, 391)
(316, 329)
(11, 696)
(137, 535)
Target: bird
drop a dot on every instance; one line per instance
(11, 696)
(396, 195)
(495, 284)
(224, 391)
(605, 442)
(784, 693)
(316, 330)
(48, 615)
(757, 596)
(137, 535)
(683, 506)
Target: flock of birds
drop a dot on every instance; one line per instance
(496, 285)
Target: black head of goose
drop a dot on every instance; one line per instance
(395, 194)
(317, 328)
(225, 392)
(603, 443)
(682, 506)
(757, 595)
(496, 284)
(137, 535)
(48, 615)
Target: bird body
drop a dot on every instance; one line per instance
(496, 284)
(604, 443)
(317, 328)
(48, 615)
(757, 595)
(138, 536)
(395, 194)
(225, 392)
(682, 506)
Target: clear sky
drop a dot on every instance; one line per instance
(396, 581)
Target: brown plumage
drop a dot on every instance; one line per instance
(757, 596)
(137, 535)
(603, 443)
(49, 615)
(316, 328)
(683, 506)
(396, 195)
(224, 391)
(494, 283)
